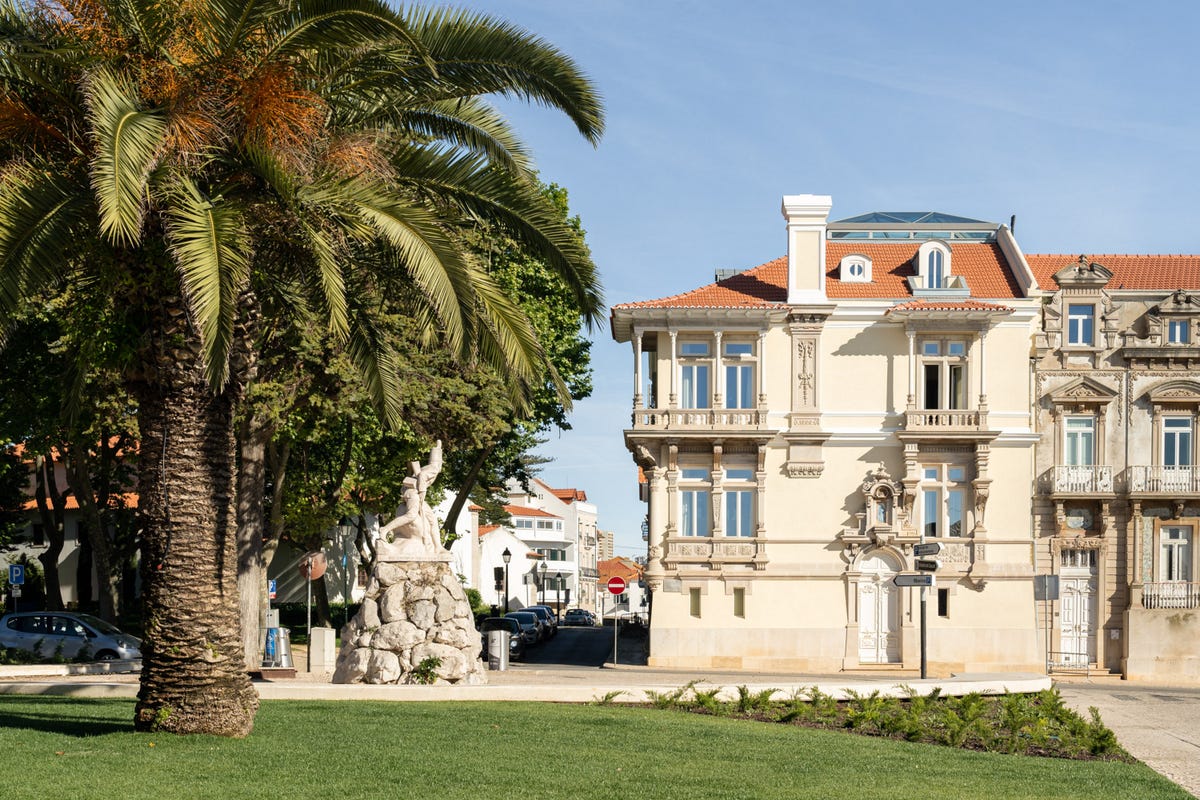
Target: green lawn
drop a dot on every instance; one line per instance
(67, 748)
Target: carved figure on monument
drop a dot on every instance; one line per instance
(414, 533)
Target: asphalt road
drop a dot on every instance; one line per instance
(573, 647)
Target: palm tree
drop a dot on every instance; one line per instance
(184, 159)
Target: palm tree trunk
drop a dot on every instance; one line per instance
(252, 565)
(193, 669)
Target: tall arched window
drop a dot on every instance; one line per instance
(935, 273)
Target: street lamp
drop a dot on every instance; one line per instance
(507, 556)
(558, 594)
(544, 569)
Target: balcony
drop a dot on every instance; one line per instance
(1164, 480)
(943, 419)
(1092, 479)
(1171, 594)
(699, 419)
(693, 550)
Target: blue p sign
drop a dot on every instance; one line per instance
(16, 574)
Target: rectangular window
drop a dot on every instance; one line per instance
(943, 603)
(739, 349)
(944, 374)
(739, 386)
(694, 602)
(943, 501)
(739, 603)
(1177, 331)
(1177, 441)
(694, 513)
(1175, 553)
(1079, 447)
(739, 513)
(1080, 324)
(694, 386)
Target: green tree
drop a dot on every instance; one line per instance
(207, 164)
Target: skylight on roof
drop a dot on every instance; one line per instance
(912, 225)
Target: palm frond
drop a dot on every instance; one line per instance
(209, 245)
(127, 141)
(305, 26)
(43, 222)
(516, 205)
(475, 54)
(369, 349)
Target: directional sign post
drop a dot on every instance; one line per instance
(927, 549)
(922, 579)
(928, 564)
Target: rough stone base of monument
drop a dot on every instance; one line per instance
(414, 612)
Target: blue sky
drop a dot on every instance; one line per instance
(1081, 119)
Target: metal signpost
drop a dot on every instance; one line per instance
(616, 587)
(924, 579)
(1045, 588)
(16, 579)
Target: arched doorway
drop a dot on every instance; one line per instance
(878, 610)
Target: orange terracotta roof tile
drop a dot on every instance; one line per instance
(940, 305)
(982, 264)
(892, 263)
(130, 499)
(1167, 272)
(629, 570)
(486, 529)
(526, 511)
(764, 286)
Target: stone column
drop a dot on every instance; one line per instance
(637, 369)
(674, 398)
(912, 368)
(762, 369)
(719, 378)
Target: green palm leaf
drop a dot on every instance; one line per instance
(127, 141)
(209, 245)
(43, 222)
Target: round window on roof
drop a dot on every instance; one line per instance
(857, 270)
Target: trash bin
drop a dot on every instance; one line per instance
(277, 652)
(498, 643)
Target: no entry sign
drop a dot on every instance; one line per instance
(616, 585)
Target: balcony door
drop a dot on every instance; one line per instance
(1177, 454)
(878, 612)
(1079, 454)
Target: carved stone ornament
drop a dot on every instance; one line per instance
(804, 469)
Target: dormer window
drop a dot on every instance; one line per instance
(933, 265)
(855, 268)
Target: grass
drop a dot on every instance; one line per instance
(62, 747)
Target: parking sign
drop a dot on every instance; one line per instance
(16, 574)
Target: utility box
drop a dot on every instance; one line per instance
(322, 650)
(498, 643)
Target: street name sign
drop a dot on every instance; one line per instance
(927, 549)
(928, 564)
(917, 579)
(616, 585)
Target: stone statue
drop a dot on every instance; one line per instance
(414, 533)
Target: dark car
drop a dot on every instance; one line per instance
(66, 634)
(516, 642)
(531, 626)
(579, 617)
(549, 621)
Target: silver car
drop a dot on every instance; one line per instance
(45, 632)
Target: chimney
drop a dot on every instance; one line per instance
(806, 215)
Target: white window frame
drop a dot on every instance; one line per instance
(934, 265)
(1179, 331)
(1075, 333)
(944, 492)
(1176, 553)
(739, 373)
(855, 268)
(946, 364)
(1074, 434)
(695, 375)
(695, 503)
(1180, 428)
(739, 489)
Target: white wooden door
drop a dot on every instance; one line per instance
(878, 613)
(1077, 607)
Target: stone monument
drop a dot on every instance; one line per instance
(415, 622)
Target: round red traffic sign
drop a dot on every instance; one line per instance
(616, 585)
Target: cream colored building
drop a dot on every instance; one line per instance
(905, 379)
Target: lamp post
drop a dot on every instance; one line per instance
(558, 594)
(507, 556)
(544, 569)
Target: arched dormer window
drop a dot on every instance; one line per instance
(855, 268)
(933, 265)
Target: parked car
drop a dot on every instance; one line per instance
(516, 642)
(579, 617)
(531, 626)
(549, 621)
(45, 632)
